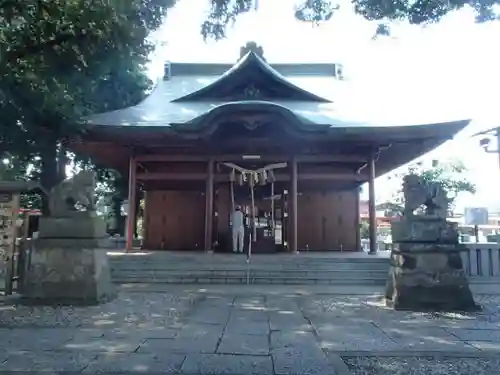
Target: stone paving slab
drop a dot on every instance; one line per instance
(234, 343)
(200, 331)
(208, 313)
(435, 338)
(244, 316)
(212, 364)
(359, 343)
(166, 363)
(492, 335)
(117, 345)
(298, 361)
(200, 344)
(485, 346)
(248, 328)
(287, 334)
(141, 333)
(293, 339)
(34, 340)
(47, 361)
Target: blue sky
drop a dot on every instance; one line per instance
(444, 71)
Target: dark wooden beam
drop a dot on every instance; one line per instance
(221, 177)
(172, 176)
(235, 157)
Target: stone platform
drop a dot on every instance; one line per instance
(426, 269)
(69, 264)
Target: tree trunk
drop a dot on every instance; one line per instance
(116, 211)
(49, 171)
(62, 162)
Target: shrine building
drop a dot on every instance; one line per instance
(260, 135)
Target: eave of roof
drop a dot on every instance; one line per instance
(246, 69)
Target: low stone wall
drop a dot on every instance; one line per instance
(482, 259)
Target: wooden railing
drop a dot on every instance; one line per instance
(482, 259)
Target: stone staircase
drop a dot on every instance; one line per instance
(279, 269)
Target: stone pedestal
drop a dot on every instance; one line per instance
(69, 263)
(426, 271)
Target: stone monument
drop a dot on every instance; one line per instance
(426, 271)
(69, 262)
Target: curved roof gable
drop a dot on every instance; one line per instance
(251, 79)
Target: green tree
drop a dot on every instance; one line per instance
(419, 12)
(62, 59)
(364, 229)
(450, 175)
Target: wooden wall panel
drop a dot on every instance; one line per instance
(223, 207)
(328, 220)
(175, 220)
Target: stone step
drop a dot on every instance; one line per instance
(242, 260)
(286, 269)
(116, 272)
(230, 258)
(231, 268)
(236, 258)
(242, 279)
(243, 265)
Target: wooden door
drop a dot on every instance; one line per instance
(175, 220)
(327, 221)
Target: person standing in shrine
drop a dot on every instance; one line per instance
(238, 229)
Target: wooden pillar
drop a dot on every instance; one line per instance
(285, 208)
(357, 220)
(215, 224)
(372, 214)
(294, 207)
(132, 188)
(145, 219)
(209, 206)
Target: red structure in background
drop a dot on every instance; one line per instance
(383, 221)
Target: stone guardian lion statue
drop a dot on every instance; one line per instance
(73, 195)
(417, 192)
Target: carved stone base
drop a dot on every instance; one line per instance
(81, 225)
(424, 230)
(68, 276)
(428, 281)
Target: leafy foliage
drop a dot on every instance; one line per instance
(416, 12)
(61, 59)
(225, 12)
(449, 175)
(364, 229)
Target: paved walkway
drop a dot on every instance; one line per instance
(257, 332)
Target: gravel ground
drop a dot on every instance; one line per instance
(374, 306)
(422, 366)
(137, 309)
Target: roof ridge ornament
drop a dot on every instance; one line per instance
(251, 92)
(252, 47)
